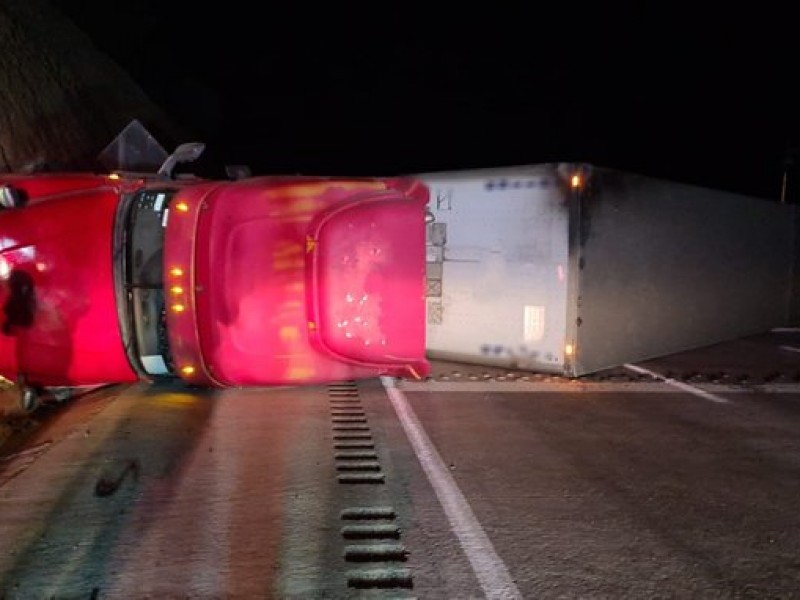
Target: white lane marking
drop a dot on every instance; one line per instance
(785, 329)
(678, 384)
(527, 387)
(790, 348)
(489, 568)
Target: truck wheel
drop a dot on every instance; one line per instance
(28, 399)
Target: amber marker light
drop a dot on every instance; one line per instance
(176, 271)
(178, 308)
(182, 206)
(114, 176)
(187, 370)
(576, 181)
(176, 289)
(569, 349)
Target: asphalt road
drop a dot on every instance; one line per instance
(476, 483)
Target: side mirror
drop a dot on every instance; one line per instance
(188, 152)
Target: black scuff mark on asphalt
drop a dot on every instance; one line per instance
(107, 485)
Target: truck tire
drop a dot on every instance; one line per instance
(28, 399)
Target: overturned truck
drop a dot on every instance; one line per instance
(572, 268)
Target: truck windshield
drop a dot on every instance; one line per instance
(144, 279)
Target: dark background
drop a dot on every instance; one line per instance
(705, 98)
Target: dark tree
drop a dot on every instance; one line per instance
(61, 100)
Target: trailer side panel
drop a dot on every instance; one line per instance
(665, 267)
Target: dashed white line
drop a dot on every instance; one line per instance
(678, 384)
(650, 388)
(790, 348)
(489, 568)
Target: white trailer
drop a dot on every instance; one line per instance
(572, 268)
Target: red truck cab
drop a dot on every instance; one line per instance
(275, 280)
(258, 281)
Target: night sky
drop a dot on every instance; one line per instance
(319, 89)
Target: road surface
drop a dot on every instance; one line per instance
(673, 478)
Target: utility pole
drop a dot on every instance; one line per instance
(789, 163)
